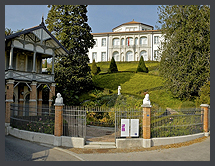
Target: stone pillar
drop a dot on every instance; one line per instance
(51, 93)
(40, 101)
(33, 100)
(9, 99)
(205, 120)
(146, 122)
(58, 129)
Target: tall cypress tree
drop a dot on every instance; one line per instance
(141, 66)
(72, 74)
(185, 57)
(113, 67)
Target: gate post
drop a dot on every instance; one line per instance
(146, 122)
(205, 120)
(58, 129)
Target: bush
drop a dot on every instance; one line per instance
(188, 104)
(113, 66)
(141, 66)
(94, 68)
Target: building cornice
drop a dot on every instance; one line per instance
(126, 32)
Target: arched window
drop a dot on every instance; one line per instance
(116, 56)
(116, 42)
(122, 41)
(136, 41)
(144, 55)
(129, 41)
(129, 56)
(143, 40)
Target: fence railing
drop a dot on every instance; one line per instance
(128, 113)
(37, 119)
(165, 123)
(74, 121)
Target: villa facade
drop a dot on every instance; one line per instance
(127, 42)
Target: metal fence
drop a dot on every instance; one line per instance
(105, 122)
(36, 119)
(128, 113)
(74, 121)
(168, 123)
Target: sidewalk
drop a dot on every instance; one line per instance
(195, 152)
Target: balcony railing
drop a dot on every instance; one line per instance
(28, 76)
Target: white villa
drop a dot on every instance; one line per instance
(126, 42)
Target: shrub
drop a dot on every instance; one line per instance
(141, 66)
(94, 68)
(188, 104)
(113, 66)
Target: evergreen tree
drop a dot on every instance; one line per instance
(185, 51)
(113, 66)
(69, 25)
(94, 68)
(141, 66)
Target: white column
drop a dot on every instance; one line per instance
(53, 57)
(34, 60)
(11, 56)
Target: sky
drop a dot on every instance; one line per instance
(101, 18)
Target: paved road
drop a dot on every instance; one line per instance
(20, 150)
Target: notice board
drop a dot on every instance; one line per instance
(134, 128)
(124, 127)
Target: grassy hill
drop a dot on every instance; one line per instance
(132, 84)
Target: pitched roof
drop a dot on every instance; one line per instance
(133, 22)
(29, 30)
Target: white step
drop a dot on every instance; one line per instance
(98, 145)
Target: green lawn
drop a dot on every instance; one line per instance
(133, 83)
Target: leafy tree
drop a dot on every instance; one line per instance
(8, 31)
(141, 66)
(72, 74)
(185, 57)
(113, 66)
(94, 68)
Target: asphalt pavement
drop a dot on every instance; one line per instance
(20, 150)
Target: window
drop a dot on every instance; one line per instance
(156, 54)
(103, 58)
(123, 42)
(129, 41)
(136, 41)
(95, 42)
(116, 56)
(156, 39)
(129, 56)
(103, 42)
(94, 55)
(115, 42)
(144, 55)
(143, 40)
